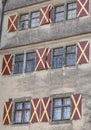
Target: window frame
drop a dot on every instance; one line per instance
(37, 11)
(69, 53)
(64, 56)
(32, 59)
(60, 96)
(14, 62)
(20, 21)
(57, 56)
(55, 13)
(67, 10)
(20, 100)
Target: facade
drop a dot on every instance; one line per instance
(45, 64)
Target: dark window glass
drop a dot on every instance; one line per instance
(24, 21)
(71, 10)
(35, 19)
(70, 55)
(57, 57)
(22, 112)
(19, 60)
(30, 62)
(59, 13)
(61, 109)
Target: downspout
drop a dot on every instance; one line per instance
(2, 16)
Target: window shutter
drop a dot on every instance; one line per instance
(46, 15)
(48, 58)
(12, 23)
(83, 52)
(35, 110)
(7, 113)
(45, 109)
(76, 111)
(82, 8)
(41, 59)
(7, 64)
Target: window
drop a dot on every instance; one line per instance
(59, 13)
(71, 10)
(24, 21)
(30, 62)
(64, 56)
(61, 109)
(22, 112)
(35, 19)
(18, 66)
(70, 55)
(57, 57)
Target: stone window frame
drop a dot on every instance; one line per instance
(55, 96)
(20, 100)
(24, 61)
(64, 56)
(29, 19)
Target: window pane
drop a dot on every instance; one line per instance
(24, 17)
(66, 101)
(57, 102)
(30, 66)
(30, 62)
(57, 61)
(18, 116)
(58, 51)
(59, 17)
(27, 105)
(70, 59)
(72, 14)
(70, 55)
(19, 57)
(18, 67)
(24, 25)
(72, 5)
(66, 113)
(19, 106)
(24, 21)
(71, 49)
(59, 13)
(59, 9)
(30, 56)
(72, 10)
(35, 19)
(35, 14)
(26, 116)
(57, 114)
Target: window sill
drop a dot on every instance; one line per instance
(60, 122)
